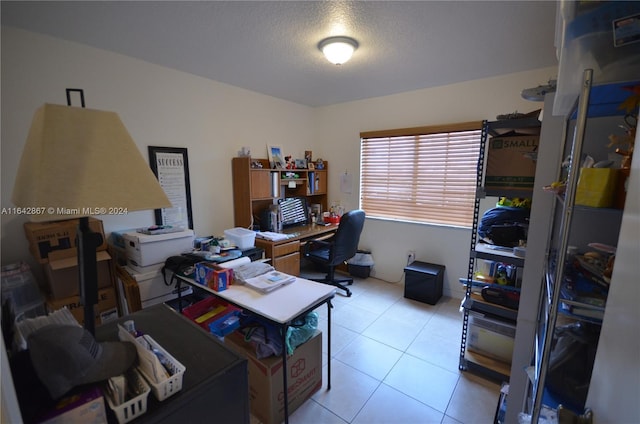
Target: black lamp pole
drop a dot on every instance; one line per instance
(87, 242)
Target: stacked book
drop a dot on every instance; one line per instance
(269, 281)
(261, 277)
(584, 290)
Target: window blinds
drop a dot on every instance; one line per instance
(425, 174)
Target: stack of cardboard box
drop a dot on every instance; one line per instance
(53, 244)
(266, 386)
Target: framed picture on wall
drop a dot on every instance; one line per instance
(171, 167)
(276, 157)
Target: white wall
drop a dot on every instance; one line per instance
(159, 106)
(338, 130)
(164, 107)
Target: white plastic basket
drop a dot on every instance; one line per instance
(135, 407)
(145, 345)
(171, 385)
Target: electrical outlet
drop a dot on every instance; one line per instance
(411, 256)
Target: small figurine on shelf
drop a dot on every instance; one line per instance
(290, 163)
(319, 164)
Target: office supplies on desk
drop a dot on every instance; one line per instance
(235, 263)
(270, 235)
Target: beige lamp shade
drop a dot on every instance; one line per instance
(80, 162)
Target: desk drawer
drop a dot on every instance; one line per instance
(289, 264)
(286, 248)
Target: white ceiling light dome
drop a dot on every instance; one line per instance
(338, 50)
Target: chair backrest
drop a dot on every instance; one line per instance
(345, 242)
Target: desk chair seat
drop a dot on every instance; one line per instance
(339, 248)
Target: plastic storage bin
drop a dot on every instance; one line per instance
(173, 384)
(135, 407)
(241, 237)
(491, 337)
(423, 282)
(226, 324)
(207, 310)
(360, 265)
(20, 287)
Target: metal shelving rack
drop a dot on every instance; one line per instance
(551, 298)
(472, 361)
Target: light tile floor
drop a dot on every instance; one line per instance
(395, 360)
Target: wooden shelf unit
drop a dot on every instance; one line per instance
(255, 188)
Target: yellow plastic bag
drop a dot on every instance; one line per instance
(596, 187)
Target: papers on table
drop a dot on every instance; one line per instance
(269, 281)
(270, 235)
(253, 269)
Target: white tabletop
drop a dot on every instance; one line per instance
(281, 305)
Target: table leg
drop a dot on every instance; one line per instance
(178, 283)
(284, 373)
(329, 306)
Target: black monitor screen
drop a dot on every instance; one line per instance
(293, 210)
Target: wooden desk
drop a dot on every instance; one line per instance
(285, 254)
(281, 307)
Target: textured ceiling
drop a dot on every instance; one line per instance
(271, 46)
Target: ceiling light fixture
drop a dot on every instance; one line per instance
(338, 50)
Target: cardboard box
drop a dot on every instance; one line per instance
(47, 237)
(510, 162)
(596, 187)
(213, 276)
(304, 378)
(85, 407)
(62, 275)
(128, 292)
(145, 250)
(106, 310)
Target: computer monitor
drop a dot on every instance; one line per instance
(293, 211)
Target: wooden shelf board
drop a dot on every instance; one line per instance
(489, 363)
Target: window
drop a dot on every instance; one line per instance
(426, 174)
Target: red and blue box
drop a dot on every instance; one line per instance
(208, 310)
(213, 276)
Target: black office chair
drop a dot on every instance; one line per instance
(339, 248)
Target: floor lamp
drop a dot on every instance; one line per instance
(77, 163)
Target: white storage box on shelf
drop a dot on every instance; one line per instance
(491, 337)
(241, 237)
(136, 406)
(598, 36)
(144, 249)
